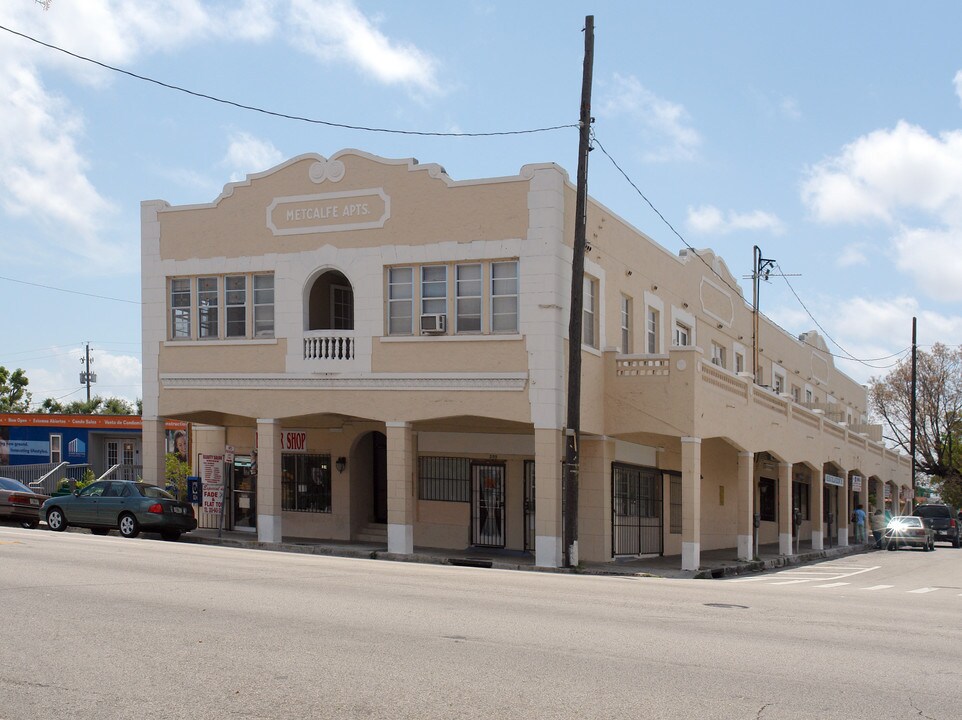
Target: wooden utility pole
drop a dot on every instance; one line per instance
(573, 426)
(912, 411)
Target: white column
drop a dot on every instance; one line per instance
(548, 454)
(818, 509)
(843, 512)
(690, 503)
(153, 451)
(746, 505)
(269, 501)
(785, 528)
(400, 488)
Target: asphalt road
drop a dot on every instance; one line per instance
(102, 627)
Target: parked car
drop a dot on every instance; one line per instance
(909, 530)
(125, 505)
(18, 503)
(943, 519)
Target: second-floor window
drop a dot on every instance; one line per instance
(589, 318)
(739, 362)
(682, 335)
(718, 354)
(651, 331)
(198, 309)
(484, 296)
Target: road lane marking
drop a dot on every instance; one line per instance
(790, 582)
(924, 590)
(748, 579)
(831, 585)
(879, 587)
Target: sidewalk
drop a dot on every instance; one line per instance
(714, 563)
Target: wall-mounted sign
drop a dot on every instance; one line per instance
(857, 483)
(834, 480)
(294, 441)
(328, 212)
(212, 475)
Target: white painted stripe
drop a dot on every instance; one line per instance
(879, 587)
(789, 582)
(923, 590)
(829, 585)
(748, 579)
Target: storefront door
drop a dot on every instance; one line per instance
(243, 495)
(487, 505)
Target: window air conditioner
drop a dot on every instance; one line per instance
(432, 324)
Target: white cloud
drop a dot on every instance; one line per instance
(708, 219)
(247, 154)
(118, 375)
(665, 125)
(887, 172)
(932, 257)
(331, 30)
(851, 256)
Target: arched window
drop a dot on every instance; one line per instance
(331, 303)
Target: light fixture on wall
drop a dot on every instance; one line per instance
(340, 464)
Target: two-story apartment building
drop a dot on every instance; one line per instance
(392, 344)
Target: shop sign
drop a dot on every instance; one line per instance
(857, 483)
(834, 480)
(888, 491)
(212, 476)
(294, 441)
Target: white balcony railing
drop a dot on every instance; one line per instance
(329, 345)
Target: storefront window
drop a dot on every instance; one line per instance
(306, 483)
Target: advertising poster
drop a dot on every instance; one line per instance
(212, 478)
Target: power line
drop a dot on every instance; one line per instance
(73, 292)
(284, 116)
(847, 356)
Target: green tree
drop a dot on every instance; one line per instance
(14, 397)
(938, 417)
(97, 405)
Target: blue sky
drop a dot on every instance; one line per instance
(827, 133)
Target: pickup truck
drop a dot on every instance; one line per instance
(943, 519)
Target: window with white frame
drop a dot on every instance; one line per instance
(180, 308)
(682, 337)
(208, 301)
(718, 354)
(626, 325)
(342, 306)
(263, 306)
(809, 395)
(467, 303)
(652, 326)
(235, 305)
(56, 448)
(400, 303)
(589, 313)
(434, 290)
(739, 362)
(778, 381)
(796, 393)
(504, 297)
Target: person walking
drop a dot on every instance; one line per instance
(878, 527)
(859, 516)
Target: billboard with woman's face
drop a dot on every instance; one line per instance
(177, 444)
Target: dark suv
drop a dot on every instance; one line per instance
(943, 519)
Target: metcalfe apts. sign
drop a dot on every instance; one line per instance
(329, 212)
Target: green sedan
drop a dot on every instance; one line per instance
(124, 505)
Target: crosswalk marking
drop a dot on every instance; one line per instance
(879, 587)
(830, 585)
(923, 590)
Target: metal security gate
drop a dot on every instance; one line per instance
(529, 505)
(636, 510)
(487, 505)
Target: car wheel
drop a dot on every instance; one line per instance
(129, 527)
(891, 546)
(100, 531)
(955, 542)
(171, 535)
(29, 524)
(56, 520)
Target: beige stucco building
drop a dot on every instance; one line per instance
(393, 344)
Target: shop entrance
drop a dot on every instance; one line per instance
(243, 502)
(487, 505)
(636, 510)
(379, 476)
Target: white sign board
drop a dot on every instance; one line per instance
(212, 476)
(857, 483)
(834, 480)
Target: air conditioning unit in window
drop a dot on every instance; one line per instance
(433, 324)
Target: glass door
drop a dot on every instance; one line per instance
(243, 495)
(487, 500)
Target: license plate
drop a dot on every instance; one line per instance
(178, 510)
(34, 501)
